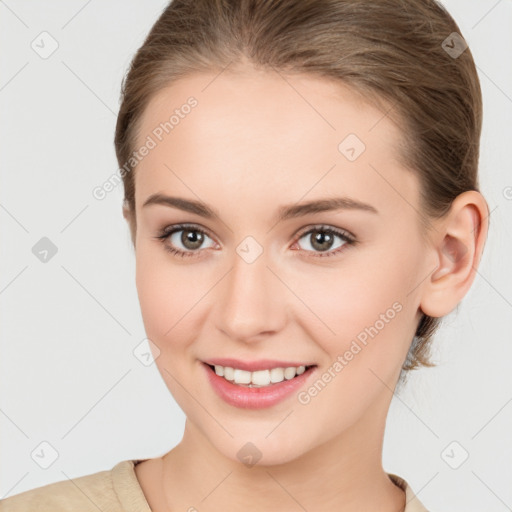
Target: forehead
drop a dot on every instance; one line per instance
(258, 131)
(267, 102)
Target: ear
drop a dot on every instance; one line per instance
(126, 211)
(129, 217)
(457, 244)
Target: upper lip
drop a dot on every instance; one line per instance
(251, 366)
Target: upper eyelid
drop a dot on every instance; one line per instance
(176, 228)
(325, 227)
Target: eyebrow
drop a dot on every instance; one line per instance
(284, 212)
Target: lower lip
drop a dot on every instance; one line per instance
(255, 398)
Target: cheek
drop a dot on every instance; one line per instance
(169, 299)
(366, 301)
(366, 343)
(167, 295)
(360, 322)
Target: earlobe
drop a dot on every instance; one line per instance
(458, 247)
(126, 213)
(126, 210)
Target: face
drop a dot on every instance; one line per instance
(334, 288)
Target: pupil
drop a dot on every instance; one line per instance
(191, 239)
(320, 238)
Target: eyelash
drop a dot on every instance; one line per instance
(169, 230)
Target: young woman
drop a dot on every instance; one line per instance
(301, 190)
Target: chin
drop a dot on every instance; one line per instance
(258, 450)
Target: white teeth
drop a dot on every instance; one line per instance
(259, 378)
(290, 372)
(242, 377)
(229, 373)
(276, 375)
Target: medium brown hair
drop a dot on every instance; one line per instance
(391, 51)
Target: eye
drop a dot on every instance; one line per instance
(189, 237)
(322, 240)
(187, 240)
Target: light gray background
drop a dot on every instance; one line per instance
(69, 326)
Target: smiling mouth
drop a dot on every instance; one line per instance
(259, 378)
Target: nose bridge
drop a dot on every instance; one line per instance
(251, 303)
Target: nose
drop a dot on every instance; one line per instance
(252, 301)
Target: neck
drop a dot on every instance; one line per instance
(343, 474)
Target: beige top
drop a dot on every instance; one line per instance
(116, 490)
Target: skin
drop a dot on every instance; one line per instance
(257, 141)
